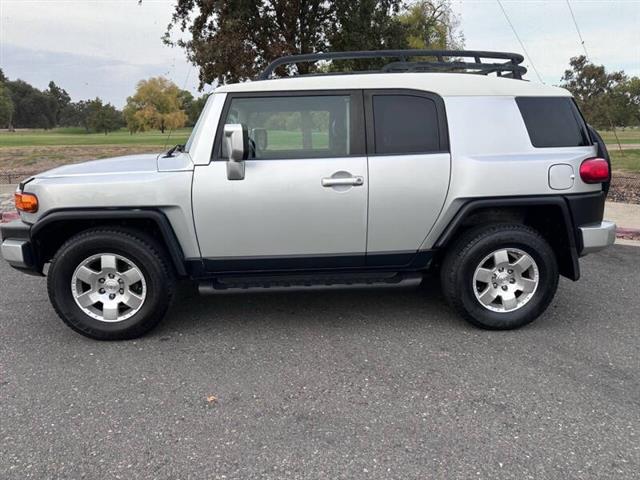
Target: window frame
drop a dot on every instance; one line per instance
(357, 128)
(443, 129)
(577, 114)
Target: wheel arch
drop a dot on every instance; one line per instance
(51, 231)
(549, 215)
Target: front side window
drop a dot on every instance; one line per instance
(553, 122)
(294, 126)
(405, 124)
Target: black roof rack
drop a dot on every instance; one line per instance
(463, 61)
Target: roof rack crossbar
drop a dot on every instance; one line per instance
(511, 65)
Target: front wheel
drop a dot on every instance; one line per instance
(500, 277)
(110, 284)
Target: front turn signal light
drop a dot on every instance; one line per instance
(26, 202)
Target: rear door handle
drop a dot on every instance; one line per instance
(348, 181)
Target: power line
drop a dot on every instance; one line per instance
(584, 46)
(520, 41)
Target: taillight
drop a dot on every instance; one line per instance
(594, 170)
(26, 202)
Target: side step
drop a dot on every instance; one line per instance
(288, 283)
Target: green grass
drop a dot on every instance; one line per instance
(629, 135)
(77, 136)
(628, 160)
(291, 140)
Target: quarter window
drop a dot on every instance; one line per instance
(553, 122)
(294, 127)
(405, 124)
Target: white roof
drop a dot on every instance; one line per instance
(444, 84)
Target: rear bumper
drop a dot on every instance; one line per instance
(597, 236)
(17, 248)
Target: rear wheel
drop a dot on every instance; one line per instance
(501, 276)
(110, 284)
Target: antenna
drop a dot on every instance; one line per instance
(519, 40)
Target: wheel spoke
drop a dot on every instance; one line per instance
(527, 285)
(500, 256)
(132, 300)
(488, 296)
(87, 275)
(88, 298)
(523, 264)
(509, 301)
(108, 262)
(110, 310)
(484, 275)
(132, 276)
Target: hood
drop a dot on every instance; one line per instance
(144, 163)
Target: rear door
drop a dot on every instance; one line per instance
(409, 169)
(303, 201)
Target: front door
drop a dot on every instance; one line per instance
(303, 201)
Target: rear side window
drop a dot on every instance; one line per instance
(405, 124)
(553, 122)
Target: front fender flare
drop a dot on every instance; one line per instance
(96, 216)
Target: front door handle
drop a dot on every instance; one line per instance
(342, 181)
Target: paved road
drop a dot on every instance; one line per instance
(328, 385)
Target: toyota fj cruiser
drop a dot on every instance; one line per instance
(332, 180)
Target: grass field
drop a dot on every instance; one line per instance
(629, 135)
(77, 136)
(627, 160)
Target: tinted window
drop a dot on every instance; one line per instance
(294, 127)
(405, 124)
(553, 122)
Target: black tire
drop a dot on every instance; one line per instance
(464, 256)
(131, 244)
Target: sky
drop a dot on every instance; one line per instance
(104, 47)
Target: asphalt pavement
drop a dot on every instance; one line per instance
(371, 384)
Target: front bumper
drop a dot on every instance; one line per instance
(597, 236)
(17, 248)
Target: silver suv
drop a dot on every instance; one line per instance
(327, 181)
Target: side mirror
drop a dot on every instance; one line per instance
(236, 143)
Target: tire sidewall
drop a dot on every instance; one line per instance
(74, 253)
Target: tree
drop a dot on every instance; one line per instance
(103, 118)
(597, 92)
(630, 90)
(6, 106)
(61, 98)
(32, 108)
(365, 25)
(432, 24)
(234, 40)
(156, 104)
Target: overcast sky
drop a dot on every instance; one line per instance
(103, 47)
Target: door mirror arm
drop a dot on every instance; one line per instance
(236, 142)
